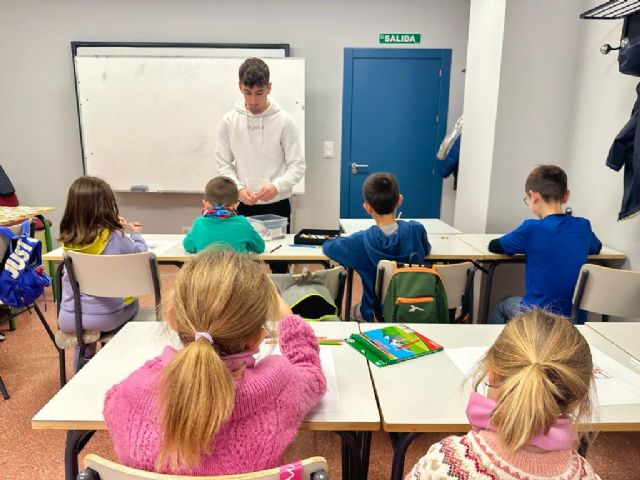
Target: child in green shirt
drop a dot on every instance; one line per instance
(220, 223)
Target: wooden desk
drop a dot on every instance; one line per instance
(431, 225)
(429, 394)
(625, 335)
(10, 215)
(480, 241)
(77, 407)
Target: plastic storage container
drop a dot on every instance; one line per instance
(269, 226)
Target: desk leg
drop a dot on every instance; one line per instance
(76, 440)
(347, 306)
(351, 456)
(486, 296)
(401, 444)
(365, 450)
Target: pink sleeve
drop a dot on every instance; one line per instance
(299, 345)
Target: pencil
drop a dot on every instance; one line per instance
(273, 250)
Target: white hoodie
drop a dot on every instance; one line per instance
(266, 145)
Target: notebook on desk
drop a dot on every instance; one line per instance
(392, 344)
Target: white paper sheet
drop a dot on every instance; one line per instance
(159, 246)
(465, 358)
(330, 402)
(616, 384)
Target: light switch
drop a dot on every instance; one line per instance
(328, 149)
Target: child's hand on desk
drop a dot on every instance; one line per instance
(246, 197)
(130, 227)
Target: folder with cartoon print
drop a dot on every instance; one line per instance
(392, 344)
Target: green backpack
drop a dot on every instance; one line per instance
(415, 295)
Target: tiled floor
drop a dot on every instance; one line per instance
(29, 367)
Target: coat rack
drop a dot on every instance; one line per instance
(612, 10)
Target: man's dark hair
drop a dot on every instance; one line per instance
(381, 191)
(254, 72)
(221, 191)
(550, 181)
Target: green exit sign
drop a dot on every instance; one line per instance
(401, 38)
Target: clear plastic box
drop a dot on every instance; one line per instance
(269, 226)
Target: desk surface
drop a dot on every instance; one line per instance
(626, 335)
(78, 406)
(168, 248)
(431, 225)
(429, 394)
(15, 214)
(480, 241)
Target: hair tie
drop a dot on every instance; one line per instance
(206, 335)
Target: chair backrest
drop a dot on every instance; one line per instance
(383, 277)
(607, 291)
(108, 470)
(127, 275)
(454, 277)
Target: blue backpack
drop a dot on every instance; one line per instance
(22, 279)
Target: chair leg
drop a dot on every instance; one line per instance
(3, 390)
(63, 368)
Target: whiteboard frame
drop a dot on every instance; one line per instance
(82, 48)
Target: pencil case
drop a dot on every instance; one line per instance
(313, 236)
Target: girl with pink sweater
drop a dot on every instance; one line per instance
(210, 408)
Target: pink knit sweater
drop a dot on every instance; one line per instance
(271, 399)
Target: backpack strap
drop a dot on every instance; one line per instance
(7, 233)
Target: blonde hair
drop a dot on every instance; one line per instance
(544, 369)
(227, 295)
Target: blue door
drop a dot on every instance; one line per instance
(394, 116)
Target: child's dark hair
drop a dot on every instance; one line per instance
(221, 191)
(91, 207)
(254, 72)
(381, 191)
(550, 181)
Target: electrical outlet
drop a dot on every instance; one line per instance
(328, 149)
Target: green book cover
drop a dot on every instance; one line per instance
(392, 344)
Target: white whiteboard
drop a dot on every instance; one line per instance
(153, 120)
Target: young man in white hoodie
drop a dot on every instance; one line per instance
(259, 140)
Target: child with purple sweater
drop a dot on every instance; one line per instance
(90, 224)
(209, 408)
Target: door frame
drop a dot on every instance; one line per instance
(351, 54)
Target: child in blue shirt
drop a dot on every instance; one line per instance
(388, 239)
(220, 222)
(556, 246)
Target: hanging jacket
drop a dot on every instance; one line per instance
(625, 152)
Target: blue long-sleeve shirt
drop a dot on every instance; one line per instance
(556, 247)
(363, 250)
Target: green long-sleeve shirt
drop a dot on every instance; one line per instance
(234, 231)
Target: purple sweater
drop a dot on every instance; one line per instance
(271, 399)
(101, 313)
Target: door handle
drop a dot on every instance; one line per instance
(355, 166)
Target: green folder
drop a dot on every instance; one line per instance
(392, 344)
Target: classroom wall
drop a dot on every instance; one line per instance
(38, 124)
(537, 80)
(602, 100)
(484, 54)
(518, 105)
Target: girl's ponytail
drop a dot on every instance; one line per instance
(197, 392)
(543, 369)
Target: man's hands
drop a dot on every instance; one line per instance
(265, 193)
